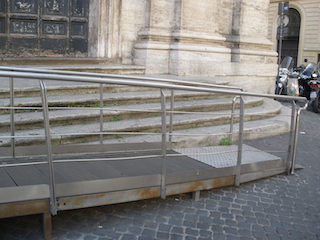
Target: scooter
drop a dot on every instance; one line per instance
(286, 68)
(315, 94)
(314, 85)
(293, 85)
(305, 77)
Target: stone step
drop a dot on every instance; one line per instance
(57, 88)
(55, 61)
(152, 125)
(101, 65)
(110, 99)
(33, 120)
(30, 87)
(110, 69)
(212, 135)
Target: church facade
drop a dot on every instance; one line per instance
(226, 39)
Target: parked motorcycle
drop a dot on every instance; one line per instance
(286, 67)
(315, 94)
(293, 85)
(305, 77)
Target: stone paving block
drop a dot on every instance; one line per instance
(205, 234)
(230, 230)
(189, 224)
(176, 221)
(162, 235)
(176, 237)
(128, 237)
(203, 225)
(177, 230)
(190, 238)
(135, 230)
(232, 237)
(148, 233)
(88, 237)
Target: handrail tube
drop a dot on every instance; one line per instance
(144, 84)
(12, 123)
(171, 112)
(87, 74)
(296, 135)
(291, 138)
(101, 111)
(163, 145)
(232, 115)
(240, 145)
(53, 202)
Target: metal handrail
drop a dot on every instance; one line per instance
(152, 79)
(161, 85)
(140, 83)
(102, 75)
(232, 115)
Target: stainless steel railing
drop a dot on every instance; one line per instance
(119, 77)
(162, 85)
(131, 77)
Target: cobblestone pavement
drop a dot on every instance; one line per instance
(280, 207)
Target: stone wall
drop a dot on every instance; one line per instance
(212, 38)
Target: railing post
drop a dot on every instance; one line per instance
(295, 138)
(163, 145)
(291, 138)
(12, 124)
(171, 118)
(240, 144)
(101, 112)
(45, 110)
(232, 115)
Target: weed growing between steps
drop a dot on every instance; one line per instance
(115, 118)
(226, 142)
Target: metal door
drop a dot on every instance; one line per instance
(44, 28)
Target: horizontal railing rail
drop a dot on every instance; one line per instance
(165, 134)
(116, 76)
(136, 82)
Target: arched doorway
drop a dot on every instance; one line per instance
(290, 41)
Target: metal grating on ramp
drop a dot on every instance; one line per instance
(226, 156)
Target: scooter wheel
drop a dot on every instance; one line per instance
(278, 91)
(316, 104)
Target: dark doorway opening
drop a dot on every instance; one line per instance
(44, 28)
(290, 41)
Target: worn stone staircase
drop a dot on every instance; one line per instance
(100, 65)
(206, 113)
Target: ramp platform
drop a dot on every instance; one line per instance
(86, 179)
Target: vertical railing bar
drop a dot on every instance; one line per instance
(291, 138)
(163, 145)
(232, 115)
(49, 147)
(240, 144)
(296, 135)
(171, 117)
(101, 112)
(12, 120)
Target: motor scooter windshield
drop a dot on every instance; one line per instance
(287, 63)
(310, 68)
